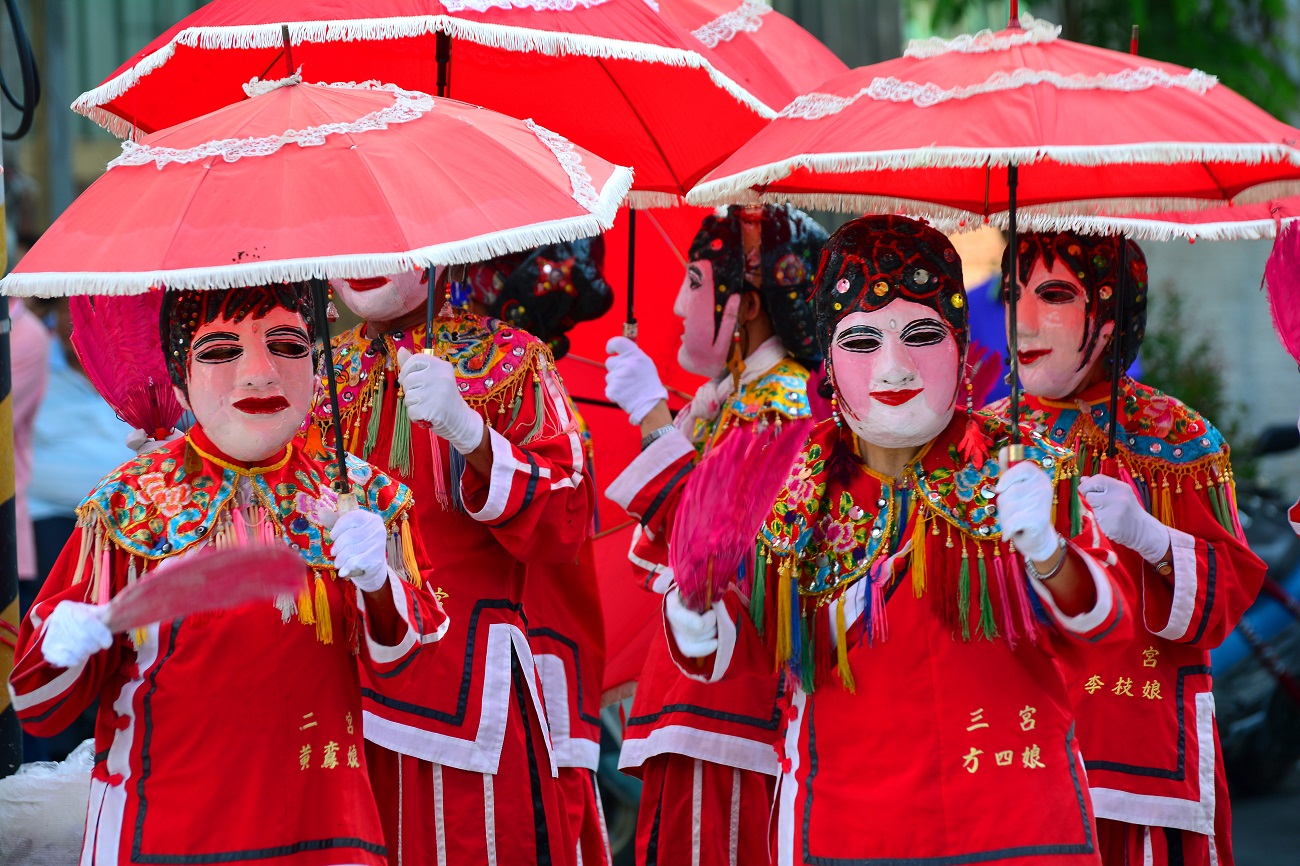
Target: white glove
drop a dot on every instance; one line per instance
(361, 549)
(696, 634)
(432, 396)
(1122, 517)
(1024, 500)
(73, 633)
(631, 379)
(142, 443)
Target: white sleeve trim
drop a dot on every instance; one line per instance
(390, 654)
(1090, 619)
(55, 687)
(504, 467)
(1186, 583)
(662, 453)
(726, 645)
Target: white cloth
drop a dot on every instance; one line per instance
(696, 634)
(142, 443)
(1123, 518)
(708, 400)
(361, 549)
(631, 379)
(1024, 500)
(73, 633)
(429, 383)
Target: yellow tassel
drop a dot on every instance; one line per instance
(324, 626)
(783, 610)
(408, 557)
(842, 648)
(1166, 504)
(305, 614)
(918, 553)
(87, 537)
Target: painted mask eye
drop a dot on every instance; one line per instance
(860, 338)
(288, 343)
(217, 348)
(696, 277)
(926, 332)
(1057, 292)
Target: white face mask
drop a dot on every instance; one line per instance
(897, 371)
(384, 299)
(1052, 325)
(251, 383)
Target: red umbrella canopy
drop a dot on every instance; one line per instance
(1228, 223)
(307, 180)
(775, 57)
(1091, 130)
(612, 75)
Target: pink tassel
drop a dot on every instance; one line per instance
(879, 624)
(105, 576)
(1020, 583)
(1004, 592)
(265, 531)
(439, 476)
(239, 524)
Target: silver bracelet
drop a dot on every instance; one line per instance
(1036, 574)
(649, 439)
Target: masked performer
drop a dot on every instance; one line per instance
(546, 292)
(706, 754)
(231, 737)
(481, 428)
(1171, 512)
(919, 597)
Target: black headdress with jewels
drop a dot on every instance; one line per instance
(873, 260)
(1094, 260)
(790, 243)
(547, 291)
(184, 312)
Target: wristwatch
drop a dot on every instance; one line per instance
(1060, 563)
(648, 439)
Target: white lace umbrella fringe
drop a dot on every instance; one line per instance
(745, 18)
(481, 248)
(734, 188)
(1033, 31)
(515, 39)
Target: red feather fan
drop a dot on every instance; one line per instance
(118, 341)
(1282, 277)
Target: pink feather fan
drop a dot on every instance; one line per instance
(118, 341)
(726, 499)
(1282, 278)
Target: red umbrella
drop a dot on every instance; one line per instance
(777, 59)
(1227, 223)
(317, 181)
(610, 74)
(1091, 131)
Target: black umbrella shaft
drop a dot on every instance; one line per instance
(1117, 345)
(629, 329)
(320, 290)
(442, 52)
(1013, 301)
(428, 310)
(11, 736)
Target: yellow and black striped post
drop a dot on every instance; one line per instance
(11, 738)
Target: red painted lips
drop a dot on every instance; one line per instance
(262, 405)
(1029, 356)
(895, 398)
(367, 284)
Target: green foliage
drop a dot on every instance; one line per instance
(1243, 42)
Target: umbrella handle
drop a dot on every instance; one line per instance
(1117, 347)
(629, 327)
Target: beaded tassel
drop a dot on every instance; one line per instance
(439, 474)
(399, 447)
(376, 412)
(408, 556)
(988, 628)
(963, 592)
(1005, 590)
(918, 553)
(842, 648)
(324, 625)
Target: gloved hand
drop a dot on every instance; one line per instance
(432, 396)
(1122, 517)
(142, 443)
(1024, 500)
(631, 379)
(361, 549)
(696, 634)
(73, 633)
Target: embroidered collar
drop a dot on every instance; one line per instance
(198, 440)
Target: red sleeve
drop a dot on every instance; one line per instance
(650, 489)
(47, 698)
(536, 501)
(737, 638)
(391, 645)
(1214, 579)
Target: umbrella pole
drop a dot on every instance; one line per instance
(629, 327)
(1116, 347)
(442, 52)
(320, 296)
(428, 312)
(1013, 301)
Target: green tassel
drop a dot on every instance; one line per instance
(963, 596)
(1076, 508)
(809, 656)
(758, 592)
(376, 411)
(988, 628)
(541, 416)
(399, 449)
(1225, 518)
(1215, 504)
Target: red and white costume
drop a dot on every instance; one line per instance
(930, 721)
(706, 753)
(229, 737)
(1146, 712)
(460, 755)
